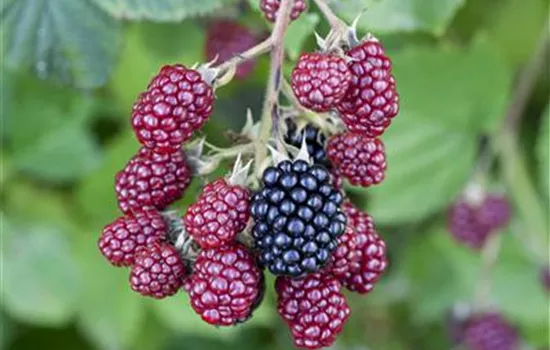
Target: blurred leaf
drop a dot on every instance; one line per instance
(110, 314)
(40, 277)
(516, 42)
(516, 289)
(298, 33)
(440, 272)
(96, 194)
(400, 15)
(160, 10)
(458, 89)
(254, 4)
(70, 40)
(147, 48)
(543, 151)
(48, 137)
(7, 330)
(26, 203)
(63, 155)
(427, 166)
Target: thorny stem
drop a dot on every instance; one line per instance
(335, 22)
(270, 113)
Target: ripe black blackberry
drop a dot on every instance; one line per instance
(297, 217)
(315, 140)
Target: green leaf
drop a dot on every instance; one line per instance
(27, 203)
(254, 4)
(427, 166)
(110, 314)
(298, 33)
(148, 47)
(63, 155)
(389, 16)
(69, 40)
(458, 89)
(48, 137)
(8, 330)
(40, 276)
(516, 42)
(543, 152)
(160, 10)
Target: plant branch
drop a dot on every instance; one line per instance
(270, 113)
(335, 22)
(489, 256)
(527, 81)
(249, 54)
(517, 176)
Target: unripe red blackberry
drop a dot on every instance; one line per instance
(226, 285)
(320, 81)
(219, 214)
(313, 307)
(121, 239)
(495, 211)
(364, 270)
(371, 100)
(358, 158)
(270, 8)
(158, 271)
(226, 39)
(177, 102)
(346, 255)
(472, 220)
(463, 224)
(490, 331)
(152, 180)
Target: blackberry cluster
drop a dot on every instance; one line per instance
(315, 140)
(290, 218)
(297, 218)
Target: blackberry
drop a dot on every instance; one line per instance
(313, 307)
(226, 285)
(320, 81)
(298, 218)
(315, 140)
(490, 331)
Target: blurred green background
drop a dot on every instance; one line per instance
(71, 70)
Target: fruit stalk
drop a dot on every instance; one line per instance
(335, 22)
(269, 121)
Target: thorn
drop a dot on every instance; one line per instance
(320, 41)
(277, 156)
(196, 149)
(239, 175)
(303, 154)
